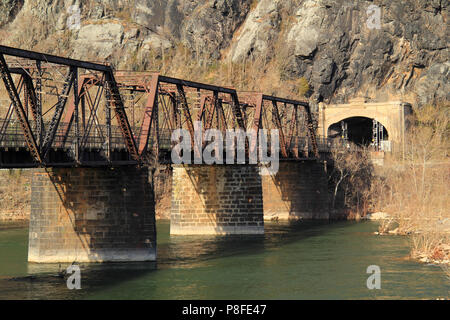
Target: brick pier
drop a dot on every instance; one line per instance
(216, 199)
(91, 215)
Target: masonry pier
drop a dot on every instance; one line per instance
(297, 191)
(216, 199)
(91, 215)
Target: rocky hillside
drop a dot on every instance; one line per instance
(324, 49)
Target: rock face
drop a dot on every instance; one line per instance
(259, 29)
(210, 27)
(102, 39)
(434, 84)
(334, 47)
(331, 43)
(8, 10)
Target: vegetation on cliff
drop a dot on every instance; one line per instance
(324, 47)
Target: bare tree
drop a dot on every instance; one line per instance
(352, 172)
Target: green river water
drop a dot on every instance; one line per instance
(304, 260)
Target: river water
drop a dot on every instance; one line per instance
(303, 260)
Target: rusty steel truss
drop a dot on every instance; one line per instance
(66, 112)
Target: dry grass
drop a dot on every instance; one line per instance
(413, 189)
(253, 74)
(431, 246)
(15, 192)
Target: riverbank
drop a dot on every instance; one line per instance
(415, 200)
(428, 245)
(412, 186)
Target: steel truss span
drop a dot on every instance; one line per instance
(60, 112)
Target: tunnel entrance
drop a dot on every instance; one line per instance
(361, 131)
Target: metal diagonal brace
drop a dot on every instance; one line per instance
(68, 118)
(18, 108)
(59, 108)
(115, 102)
(221, 112)
(257, 123)
(312, 133)
(203, 101)
(277, 121)
(10, 112)
(35, 107)
(211, 109)
(294, 131)
(237, 114)
(187, 113)
(151, 109)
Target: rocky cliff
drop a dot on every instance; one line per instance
(328, 50)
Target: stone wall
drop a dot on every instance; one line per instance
(91, 215)
(297, 191)
(218, 199)
(15, 190)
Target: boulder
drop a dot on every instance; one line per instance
(100, 40)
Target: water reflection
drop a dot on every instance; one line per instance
(48, 281)
(195, 251)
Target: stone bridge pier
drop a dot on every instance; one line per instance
(91, 215)
(216, 199)
(299, 190)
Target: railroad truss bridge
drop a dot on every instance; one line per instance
(90, 134)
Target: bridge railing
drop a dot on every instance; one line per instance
(11, 136)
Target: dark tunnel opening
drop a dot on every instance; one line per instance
(359, 130)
